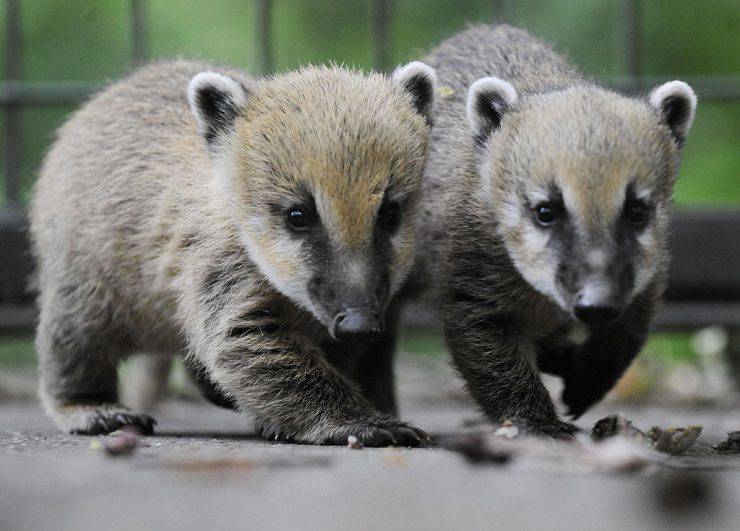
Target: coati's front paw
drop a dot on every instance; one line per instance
(101, 419)
(383, 432)
(375, 433)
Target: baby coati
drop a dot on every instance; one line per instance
(545, 205)
(261, 227)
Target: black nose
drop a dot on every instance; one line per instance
(354, 322)
(591, 314)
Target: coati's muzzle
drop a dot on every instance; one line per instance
(598, 301)
(351, 311)
(597, 295)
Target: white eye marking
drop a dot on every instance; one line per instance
(538, 197)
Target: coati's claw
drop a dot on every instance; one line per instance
(378, 434)
(93, 421)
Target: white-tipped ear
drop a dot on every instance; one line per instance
(419, 80)
(676, 102)
(489, 99)
(216, 101)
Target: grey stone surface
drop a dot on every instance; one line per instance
(205, 470)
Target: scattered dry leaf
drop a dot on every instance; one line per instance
(732, 444)
(674, 441)
(615, 425)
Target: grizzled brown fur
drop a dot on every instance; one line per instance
(158, 228)
(545, 209)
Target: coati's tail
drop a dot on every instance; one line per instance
(146, 384)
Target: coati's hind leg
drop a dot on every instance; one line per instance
(78, 362)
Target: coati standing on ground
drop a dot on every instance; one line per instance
(260, 226)
(546, 204)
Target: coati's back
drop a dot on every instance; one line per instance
(111, 169)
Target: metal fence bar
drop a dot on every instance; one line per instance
(13, 145)
(263, 35)
(632, 26)
(15, 94)
(381, 42)
(139, 33)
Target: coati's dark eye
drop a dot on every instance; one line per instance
(546, 214)
(637, 213)
(297, 218)
(389, 216)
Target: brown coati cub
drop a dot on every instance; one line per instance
(545, 206)
(262, 227)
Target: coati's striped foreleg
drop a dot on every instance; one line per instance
(282, 378)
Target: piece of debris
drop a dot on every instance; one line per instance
(615, 425)
(731, 445)
(354, 443)
(673, 441)
(507, 429)
(119, 443)
(477, 448)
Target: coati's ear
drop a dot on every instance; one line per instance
(419, 80)
(216, 101)
(489, 99)
(676, 102)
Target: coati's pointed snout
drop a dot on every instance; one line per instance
(357, 322)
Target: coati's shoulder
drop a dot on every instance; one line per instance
(157, 89)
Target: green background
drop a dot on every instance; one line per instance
(88, 41)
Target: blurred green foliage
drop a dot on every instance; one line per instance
(88, 40)
(16, 352)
